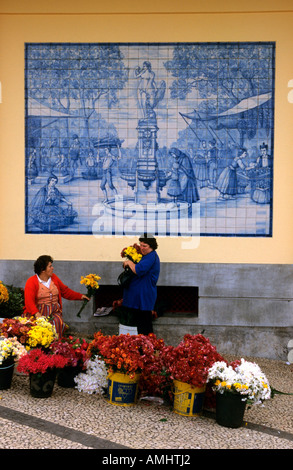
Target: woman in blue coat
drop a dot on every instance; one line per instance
(140, 297)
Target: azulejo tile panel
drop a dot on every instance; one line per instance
(174, 139)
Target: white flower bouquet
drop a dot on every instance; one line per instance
(241, 377)
(19, 349)
(7, 350)
(94, 380)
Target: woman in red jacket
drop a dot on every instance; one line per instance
(43, 294)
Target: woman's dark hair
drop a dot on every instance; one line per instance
(149, 240)
(41, 263)
(52, 177)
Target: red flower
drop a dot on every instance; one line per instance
(128, 354)
(155, 379)
(117, 303)
(235, 363)
(190, 361)
(38, 361)
(75, 350)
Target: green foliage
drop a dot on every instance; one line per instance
(14, 306)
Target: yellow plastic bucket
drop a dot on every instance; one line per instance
(122, 390)
(188, 400)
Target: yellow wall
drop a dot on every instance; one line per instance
(131, 21)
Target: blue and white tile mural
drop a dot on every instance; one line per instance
(173, 139)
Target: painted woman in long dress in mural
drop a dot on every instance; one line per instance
(50, 209)
(184, 188)
(227, 181)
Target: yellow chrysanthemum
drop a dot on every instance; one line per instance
(43, 333)
(91, 280)
(237, 385)
(4, 295)
(131, 252)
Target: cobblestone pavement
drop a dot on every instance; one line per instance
(70, 419)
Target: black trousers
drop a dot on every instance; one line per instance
(143, 321)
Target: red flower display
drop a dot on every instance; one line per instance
(37, 361)
(75, 350)
(155, 379)
(128, 354)
(190, 361)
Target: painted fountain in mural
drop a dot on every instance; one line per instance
(172, 139)
(145, 177)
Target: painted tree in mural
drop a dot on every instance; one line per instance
(223, 76)
(93, 72)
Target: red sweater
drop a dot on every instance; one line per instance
(31, 292)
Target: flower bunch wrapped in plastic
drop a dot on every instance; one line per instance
(91, 281)
(242, 377)
(190, 361)
(4, 295)
(75, 350)
(7, 349)
(127, 354)
(41, 334)
(94, 379)
(38, 361)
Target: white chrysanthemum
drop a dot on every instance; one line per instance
(259, 388)
(247, 379)
(6, 349)
(94, 380)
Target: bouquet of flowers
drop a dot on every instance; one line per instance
(38, 361)
(133, 253)
(91, 281)
(41, 334)
(190, 361)
(16, 327)
(242, 377)
(75, 350)
(7, 350)
(127, 354)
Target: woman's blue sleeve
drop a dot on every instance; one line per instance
(145, 264)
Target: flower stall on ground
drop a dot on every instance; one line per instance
(122, 367)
